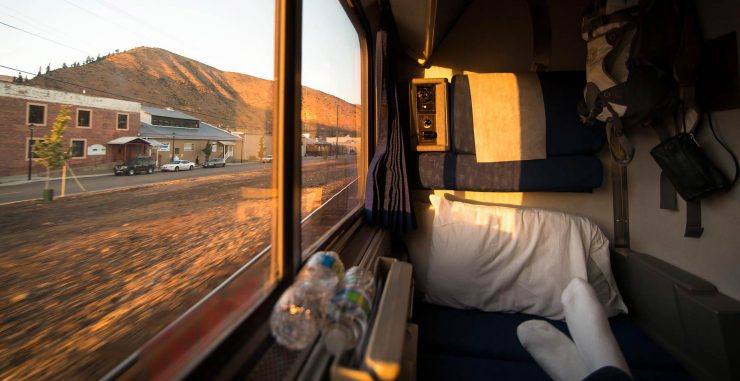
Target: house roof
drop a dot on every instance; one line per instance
(129, 139)
(204, 132)
(168, 113)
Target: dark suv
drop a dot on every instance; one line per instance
(135, 165)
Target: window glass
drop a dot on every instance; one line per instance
(87, 281)
(37, 114)
(83, 118)
(77, 148)
(31, 144)
(122, 123)
(331, 144)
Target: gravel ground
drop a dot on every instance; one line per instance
(85, 281)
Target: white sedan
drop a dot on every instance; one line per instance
(177, 165)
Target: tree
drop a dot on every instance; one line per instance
(64, 65)
(39, 73)
(261, 148)
(48, 68)
(207, 150)
(51, 152)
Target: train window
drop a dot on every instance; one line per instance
(101, 267)
(331, 144)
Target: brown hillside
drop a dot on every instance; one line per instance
(159, 78)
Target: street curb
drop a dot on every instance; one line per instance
(35, 180)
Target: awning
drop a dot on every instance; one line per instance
(131, 140)
(226, 143)
(154, 143)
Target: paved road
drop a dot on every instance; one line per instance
(33, 190)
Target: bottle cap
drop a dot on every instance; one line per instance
(335, 341)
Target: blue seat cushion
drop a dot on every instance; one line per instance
(565, 133)
(486, 340)
(445, 170)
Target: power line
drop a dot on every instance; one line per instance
(42, 37)
(117, 95)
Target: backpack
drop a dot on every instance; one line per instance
(642, 57)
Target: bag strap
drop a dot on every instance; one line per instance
(541, 35)
(693, 208)
(732, 154)
(693, 219)
(620, 147)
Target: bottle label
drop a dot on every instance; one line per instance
(354, 297)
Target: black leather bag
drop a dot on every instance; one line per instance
(686, 165)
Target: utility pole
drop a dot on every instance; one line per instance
(336, 134)
(30, 150)
(173, 148)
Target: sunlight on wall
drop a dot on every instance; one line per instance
(443, 72)
(438, 72)
(499, 198)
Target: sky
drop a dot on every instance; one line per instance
(230, 35)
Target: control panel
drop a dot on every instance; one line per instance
(429, 114)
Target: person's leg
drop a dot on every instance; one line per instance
(589, 328)
(552, 349)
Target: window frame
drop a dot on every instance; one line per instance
(90, 118)
(128, 121)
(84, 148)
(28, 113)
(28, 148)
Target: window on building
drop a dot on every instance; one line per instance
(30, 144)
(77, 148)
(122, 121)
(332, 169)
(36, 114)
(84, 118)
(189, 146)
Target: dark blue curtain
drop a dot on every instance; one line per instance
(387, 196)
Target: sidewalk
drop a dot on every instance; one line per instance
(23, 179)
(81, 174)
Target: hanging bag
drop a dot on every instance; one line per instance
(692, 173)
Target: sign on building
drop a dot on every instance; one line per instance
(96, 149)
(165, 147)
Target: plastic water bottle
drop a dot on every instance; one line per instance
(349, 311)
(299, 313)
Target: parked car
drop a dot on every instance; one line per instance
(134, 166)
(216, 162)
(267, 159)
(177, 165)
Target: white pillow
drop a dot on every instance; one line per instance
(499, 258)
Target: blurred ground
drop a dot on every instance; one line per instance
(85, 281)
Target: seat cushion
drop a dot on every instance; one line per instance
(445, 170)
(486, 341)
(561, 92)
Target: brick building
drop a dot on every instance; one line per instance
(95, 121)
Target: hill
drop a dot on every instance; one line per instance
(234, 101)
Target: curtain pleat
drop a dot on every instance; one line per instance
(387, 196)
